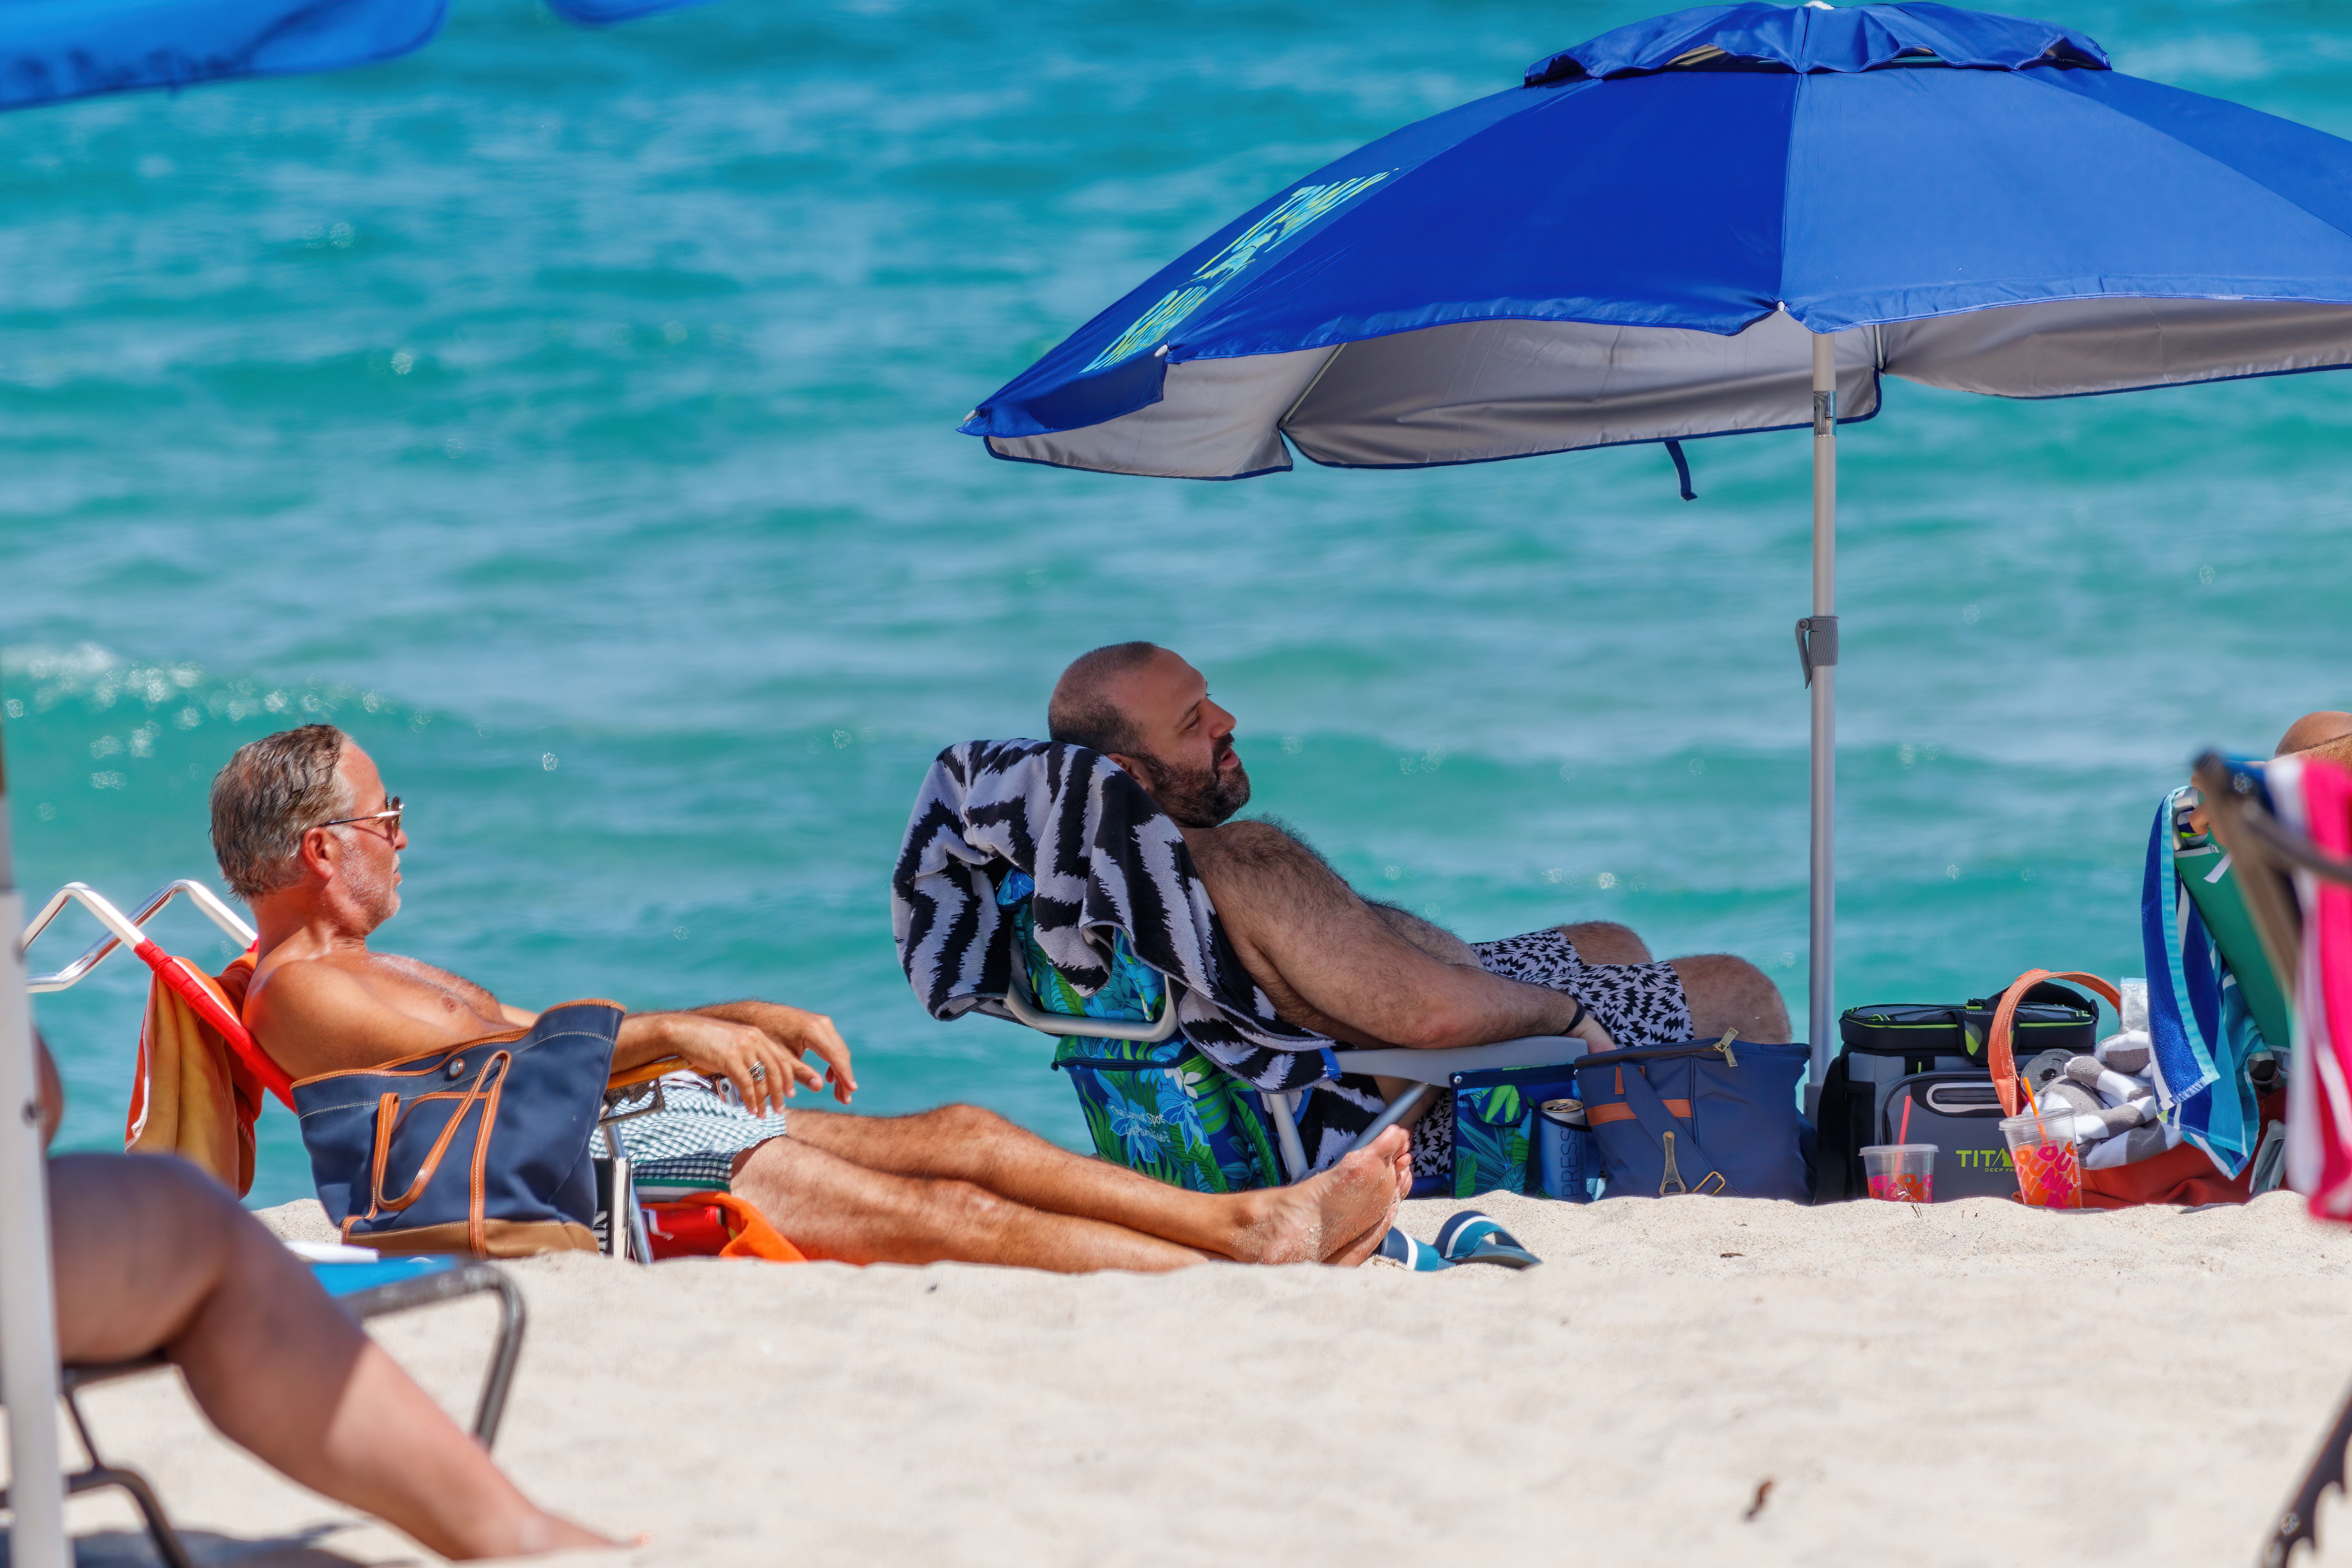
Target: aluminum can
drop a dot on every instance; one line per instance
(1565, 1166)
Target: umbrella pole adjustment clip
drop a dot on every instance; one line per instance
(1817, 643)
(1825, 417)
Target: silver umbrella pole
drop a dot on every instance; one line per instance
(28, 1328)
(1817, 638)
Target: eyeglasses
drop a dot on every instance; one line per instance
(391, 813)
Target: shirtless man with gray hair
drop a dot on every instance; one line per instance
(308, 837)
(1358, 970)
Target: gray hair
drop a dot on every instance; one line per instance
(1082, 714)
(273, 791)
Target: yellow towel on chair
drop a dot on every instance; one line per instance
(191, 1095)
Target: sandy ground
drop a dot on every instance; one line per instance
(1951, 1384)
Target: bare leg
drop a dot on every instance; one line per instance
(1606, 941)
(1331, 962)
(1728, 993)
(833, 1209)
(151, 1254)
(1337, 1216)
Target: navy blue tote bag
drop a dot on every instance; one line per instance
(482, 1148)
(1717, 1117)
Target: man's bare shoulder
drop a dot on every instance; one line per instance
(334, 1011)
(1255, 843)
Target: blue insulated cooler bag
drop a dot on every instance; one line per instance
(482, 1148)
(1718, 1118)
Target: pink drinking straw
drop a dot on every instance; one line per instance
(1902, 1136)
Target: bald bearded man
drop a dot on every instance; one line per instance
(1358, 970)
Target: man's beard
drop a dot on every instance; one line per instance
(1198, 797)
(377, 898)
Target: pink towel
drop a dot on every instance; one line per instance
(2323, 1080)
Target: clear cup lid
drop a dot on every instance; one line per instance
(1903, 1149)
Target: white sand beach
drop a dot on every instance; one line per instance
(1950, 1384)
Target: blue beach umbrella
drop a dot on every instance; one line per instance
(56, 49)
(52, 50)
(1732, 218)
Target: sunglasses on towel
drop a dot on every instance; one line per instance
(391, 813)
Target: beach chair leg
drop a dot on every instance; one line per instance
(2300, 1522)
(168, 1545)
(1403, 1106)
(632, 1216)
(619, 1196)
(1282, 1110)
(503, 1357)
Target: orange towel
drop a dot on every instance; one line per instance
(193, 1094)
(715, 1225)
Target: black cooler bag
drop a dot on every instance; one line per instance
(1922, 1066)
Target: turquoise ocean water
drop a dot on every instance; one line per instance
(569, 415)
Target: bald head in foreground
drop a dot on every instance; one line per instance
(2325, 734)
(310, 838)
(1351, 967)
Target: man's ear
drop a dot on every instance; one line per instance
(1135, 769)
(319, 853)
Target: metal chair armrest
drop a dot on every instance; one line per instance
(1022, 1003)
(1437, 1068)
(446, 1285)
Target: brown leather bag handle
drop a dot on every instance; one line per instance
(2003, 1060)
(389, 1114)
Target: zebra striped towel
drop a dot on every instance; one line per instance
(1105, 859)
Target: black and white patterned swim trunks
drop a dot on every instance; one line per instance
(1638, 1003)
(690, 1144)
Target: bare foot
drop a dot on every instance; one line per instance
(542, 1533)
(1323, 1218)
(1363, 1247)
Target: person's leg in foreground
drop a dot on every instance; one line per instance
(152, 1255)
(962, 1185)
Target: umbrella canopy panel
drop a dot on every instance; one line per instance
(1635, 244)
(54, 49)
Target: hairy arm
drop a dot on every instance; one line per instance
(1332, 962)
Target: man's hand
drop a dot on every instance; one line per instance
(718, 1047)
(728, 1038)
(1589, 1031)
(799, 1032)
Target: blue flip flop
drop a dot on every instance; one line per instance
(1417, 1256)
(1471, 1237)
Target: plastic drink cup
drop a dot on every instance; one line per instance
(2049, 1175)
(1901, 1173)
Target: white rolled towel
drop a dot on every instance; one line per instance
(2128, 1052)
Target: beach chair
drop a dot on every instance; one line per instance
(635, 1092)
(2217, 886)
(365, 1290)
(1155, 1104)
(2270, 852)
